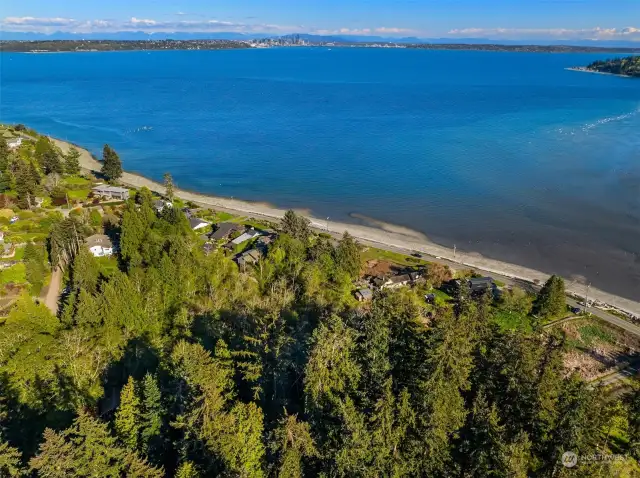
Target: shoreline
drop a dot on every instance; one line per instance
(584, 69)
(382, 234)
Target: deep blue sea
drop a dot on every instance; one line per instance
(506, 154)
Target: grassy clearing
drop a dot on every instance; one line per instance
(107, 265)
(373, 253)
(77, 181)
(15, 274)
(588, 332)
(593, 333)
(512, 321)
(80, 194)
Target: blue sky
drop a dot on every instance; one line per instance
(499, 19)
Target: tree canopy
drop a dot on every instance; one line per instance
(111, 164)
(178, 363)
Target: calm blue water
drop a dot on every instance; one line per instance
(506, 154)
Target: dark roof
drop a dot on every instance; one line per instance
(401, 278)
(480, 283)
(194, 221)
(223, 230)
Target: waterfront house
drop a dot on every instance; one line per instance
(111, 192)
(480, 285)
(197, 223)
(14, 143)
(247, 258)
(160, 204)
(477, 286)
(248, 235)
(224, 230)
(364, 295)
(100, 245)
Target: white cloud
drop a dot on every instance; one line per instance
(32, 21)
(365, 31)
(597, 33)
(143, 22)
(138, 24)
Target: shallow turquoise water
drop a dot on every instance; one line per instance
(506, 154)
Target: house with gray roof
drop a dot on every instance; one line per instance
(111, 192)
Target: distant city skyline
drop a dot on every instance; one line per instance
(490, 19)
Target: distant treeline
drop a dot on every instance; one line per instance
(629, 66)
(118, 45)
(522, 48)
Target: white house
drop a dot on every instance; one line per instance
(14, 143)
(111, 192)
(100, 245)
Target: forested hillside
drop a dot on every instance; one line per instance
(179, 363)
(629, 66)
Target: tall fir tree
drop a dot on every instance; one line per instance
(551, 300)
(51, 162)
(151, 418)
(72, 161)
(111, 164)
(127, 420)
(168, 186)
(4, 155)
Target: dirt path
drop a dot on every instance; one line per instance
(53, 291)
(379, 234)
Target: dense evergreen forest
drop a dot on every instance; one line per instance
(178, 363)
(629, 66)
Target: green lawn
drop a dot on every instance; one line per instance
(80, 194)
(512, 321)
(15, 274)
(395, 257)
(77, 181)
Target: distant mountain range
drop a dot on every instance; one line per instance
(139, 35)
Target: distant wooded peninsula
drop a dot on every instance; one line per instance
(47, 46)
(629, 66)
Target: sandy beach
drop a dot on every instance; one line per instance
(382, 235)
(586, 70)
